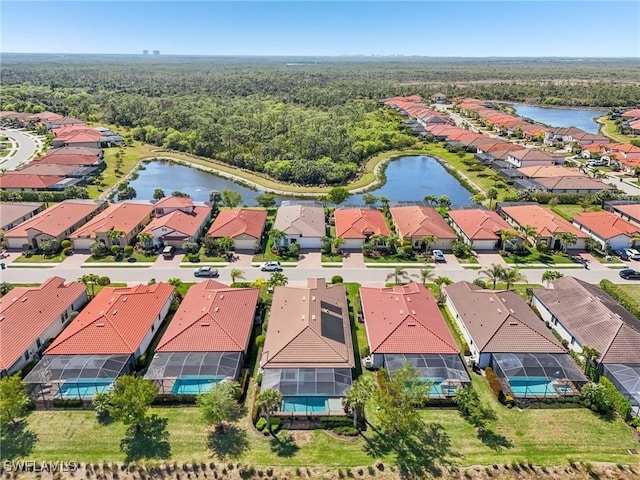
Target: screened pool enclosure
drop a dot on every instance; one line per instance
(446, 373)
(191, 373)
(538, 375)
(626, 378)
(75, 376)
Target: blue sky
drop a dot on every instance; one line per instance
(429, 28)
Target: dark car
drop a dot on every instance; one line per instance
(621, 254)
(206, 272)
(629, 274)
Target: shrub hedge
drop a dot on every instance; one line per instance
(620, 296)
(494, 383)
(616, 399)
(68, 403)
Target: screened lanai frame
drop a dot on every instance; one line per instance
(89, 373)
(168, 367)
(626, 378)
(538, 375)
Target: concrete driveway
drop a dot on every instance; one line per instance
(310, 260)
(27, 146)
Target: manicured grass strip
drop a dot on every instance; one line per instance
(608, 128)
(39, 259)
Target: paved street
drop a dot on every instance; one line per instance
(27, 146)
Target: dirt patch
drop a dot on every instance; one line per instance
(301, 437)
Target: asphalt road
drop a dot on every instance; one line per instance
(28, 145)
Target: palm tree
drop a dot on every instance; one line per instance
(277, 279)
(492, 194)
(550, 275)
(439, 281)
(505, 236)
(426, 241)
(174, 282)
(277, 235)
(530, 231)
(268, 402)
(385, 202)
(426, 274)
(511, 276)
(392, 242)
(236, 273)
(494, 273)
(590, 355)
(430, 199)
(115, 236)
(399, 275)
(90, 280)
(145, 238)
(357, 395)
(444, 201)
(215, 197)
(478, 198)
(370, 200)
(226, 243)
(567, 239)
(337, 243)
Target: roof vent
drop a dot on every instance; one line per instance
(499, 311)
(114, 312)
(205, 324)
(512, 310)
(491, 299)
(302, 317)
(313, 317)
(411, 324)
(397, 299)
(216, 309)
(101, 312)
(401, 312)
(313, 298)
(204, 309)
(408, 299)
(1, 318)
(24, 299)
(413, 312)
(222, 296)
(513, 324)
(99, 324)
(124, 299)
(304, 298)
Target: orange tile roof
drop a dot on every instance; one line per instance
(28, 180)
(549, 171)
(125, 216)
(95, 151)
(309, 327)
(531, 154)
(115, 321)
(77, 134)
(420, 221)
(238, 221)
(353, 222)
(479, 224)
(179, 221)
(57, 219)
(67, 159)
(405, 319)
(212, 318)
(27, 312)
(630, 210)
(46, 169)
(634, 113)
(606, 225)
(174, 202)
(546, 223)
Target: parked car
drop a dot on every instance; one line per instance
(271, 267)
(205, 272)
(632, 253)
(621, 254)
(438, 256)
(595, 163)
(168, 251)
(629, 274)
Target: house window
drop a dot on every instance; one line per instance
(38, 343)
(26, 356)
(153, 327)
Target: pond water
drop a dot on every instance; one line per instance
(561, 117)
(408, 179)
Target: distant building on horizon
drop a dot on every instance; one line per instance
(145, 52)
(156, 52)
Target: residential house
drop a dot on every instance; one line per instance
(302, 223)
(77, 136)
(608, 229)
(54, 169)
(127, 217)
(13, 214)
(62, 122)
(32, 316)
(439, 98)
(207, 340)
(549, 171)
(569, 135)
(479, 227)
(628, 210)
(585, 316)
(404, 324)
(244, 225)
(505, 334)
(55, 223)
(308, 352)
(19, 182)
(81, 159)
(548, 224)
(177, 220)
(571, 184)
(530, 157)
(358, 225)
(96, 152)
(415, 222)
(102, 342)
(632, 114)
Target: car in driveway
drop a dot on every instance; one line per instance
(632, 253)
(271, 267)
(629, 274)
(205, 272)
(438, 256)
(621, 254)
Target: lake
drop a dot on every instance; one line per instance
(408, 179)
(561, 117)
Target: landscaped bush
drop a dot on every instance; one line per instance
(347, 431)
(67, 402)
(593, 396)
(164, 399)
(67, 252)
(336, 279)
(616, 399)
(620, 296)
(494, 383)
(382, 379)
(66, 244)
(128, 251)
(260, 340)
(261, 424)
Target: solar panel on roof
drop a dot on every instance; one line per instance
(332, 327)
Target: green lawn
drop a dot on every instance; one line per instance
(535, 257)
(353, 294)
(331, 257)
(392, 259)
(269, 256)
(608, 128)
(633, 293)
(39, 259)
(569, 211)
(140, 258)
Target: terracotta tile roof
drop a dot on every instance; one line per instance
(500, 321)
(353, 222)
(632, 211)
(238, 221)
(16, 180)
(179, 221)
(633, 113)
(27, 312)
(174, 202)
(47, 116)
(309, 327)
(57, 219)
(594, 319)
(606, 225)
(300, 219)
(77, 133)
(533, 155)
(212, 318)
(573, 183)
(64, 159)
(497, 146)
(419, 221)
(10, 212)
(125, 216)
(548, 171)
(479, 224)
(546, 222)
(74, 151)
(114, 322)
(405, 319)
(46, 169)
(62, 121)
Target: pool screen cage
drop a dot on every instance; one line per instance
(626, 378)
(167, 368)
(538, 375)
(434, 367)
(329, 383)
(57, 374)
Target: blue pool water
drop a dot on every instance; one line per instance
(305, 405)
(193, 386)
(83, 388)
(439, 388)
(533, 386)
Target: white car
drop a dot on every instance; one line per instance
(632, 253)
(438, 256)
(271, 267)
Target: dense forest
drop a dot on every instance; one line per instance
(306, 121)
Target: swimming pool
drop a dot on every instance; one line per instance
(194, 385)
(440, 387)
(305, 405)
(83, 388)
(535, 387)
